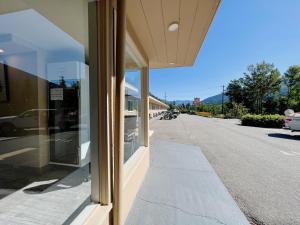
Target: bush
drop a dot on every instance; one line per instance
(237, 110)
(268, 121)
(184, 111)
(214, 109)
(205, 114)
(220, 116)
(191, 112)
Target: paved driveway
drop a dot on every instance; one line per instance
(260, 167)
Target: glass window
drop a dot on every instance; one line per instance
(44, 111)
(133, 130)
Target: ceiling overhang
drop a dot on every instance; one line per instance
(150, 21)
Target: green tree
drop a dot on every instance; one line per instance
(62, 82)
(292, 81)
(172, 106)
(235, 91)
(261, 80)
(256, 89)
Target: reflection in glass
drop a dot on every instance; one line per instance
(44, 117)
(133, 129)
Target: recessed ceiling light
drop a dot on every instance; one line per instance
(1, 50)
(173, 26)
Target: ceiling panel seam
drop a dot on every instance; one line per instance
(178, 34)
(191, 31)
(164, 28)
(148, 26)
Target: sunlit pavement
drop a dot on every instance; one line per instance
(181, 188)
(260, 167)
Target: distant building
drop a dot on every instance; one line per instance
(156, 107)
(196, 102)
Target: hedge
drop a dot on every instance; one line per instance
(268, 121)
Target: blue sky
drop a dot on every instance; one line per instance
(242, 33)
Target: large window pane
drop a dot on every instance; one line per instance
(44, 111)
(133, 131)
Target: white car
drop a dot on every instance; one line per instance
(292, 120)
(26, 120)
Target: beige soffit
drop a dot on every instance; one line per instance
(150, 20)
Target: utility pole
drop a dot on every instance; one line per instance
(223, 99)
(165, 97)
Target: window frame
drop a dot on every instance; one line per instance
(102, 87)
(100, 39)
(136, 54)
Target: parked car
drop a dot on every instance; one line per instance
(26, 120)
(292, 120)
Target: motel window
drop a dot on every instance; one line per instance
(133, 129)
(130, 106)
(44, 111)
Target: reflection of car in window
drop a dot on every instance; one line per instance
(67, 119)
(29, 119)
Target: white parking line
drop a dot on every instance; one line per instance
(290, 153)
(296, 153)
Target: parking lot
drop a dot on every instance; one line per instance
(260, 167)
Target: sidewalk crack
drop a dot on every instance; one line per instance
(181, 168)
(182, 210)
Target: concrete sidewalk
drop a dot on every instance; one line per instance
(181, 188)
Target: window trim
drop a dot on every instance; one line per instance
(100, 67)
(101, 91)
(131, 164)
(134, 51)
(93, 214)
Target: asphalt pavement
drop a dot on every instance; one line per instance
(260, 167)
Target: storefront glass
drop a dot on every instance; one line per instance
(44, 111)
